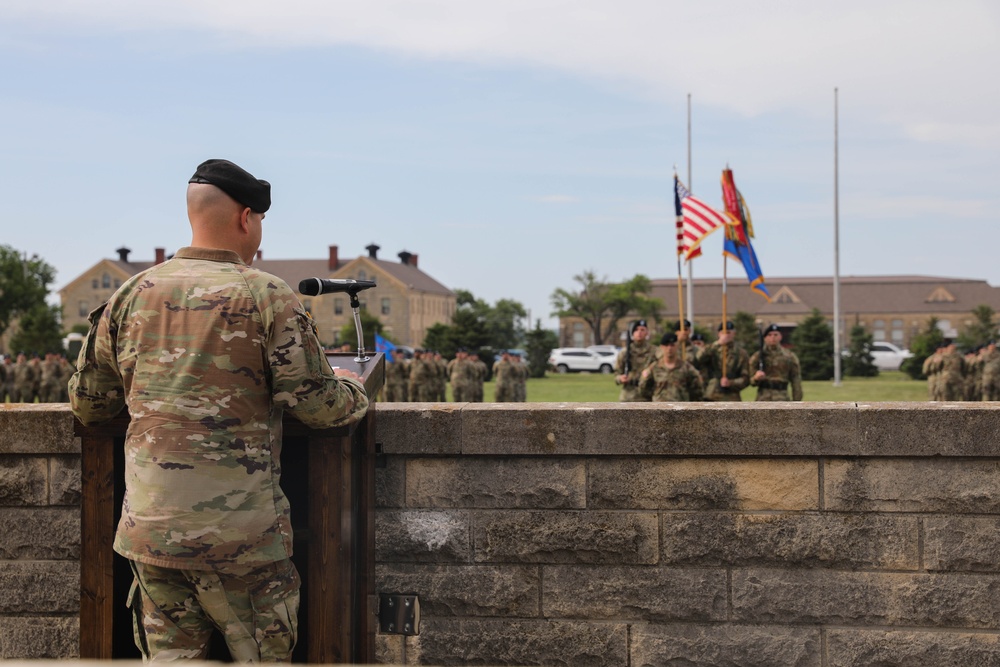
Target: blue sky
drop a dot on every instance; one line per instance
(511, 145)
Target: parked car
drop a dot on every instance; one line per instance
(888, 357)
(577, 359)
(609, 351)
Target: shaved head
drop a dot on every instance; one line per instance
(207, 203)
(219, 221)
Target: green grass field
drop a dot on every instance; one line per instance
(594, 387)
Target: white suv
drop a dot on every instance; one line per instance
(576, 359)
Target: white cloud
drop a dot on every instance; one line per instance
(913, 63)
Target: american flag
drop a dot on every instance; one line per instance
(695, 221)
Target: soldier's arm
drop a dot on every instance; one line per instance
(696, 388)
(742, 379)
(795, 377)
(754, 361)
(302, 380)
(96, 391)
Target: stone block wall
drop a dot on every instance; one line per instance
(621, 535)
(635, 535)
(39, 533)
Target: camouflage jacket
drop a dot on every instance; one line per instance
(781, 369)
(640, 355)
(681, 383)
(207, 353)
(737, 370)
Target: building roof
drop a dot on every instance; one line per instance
(911, 294)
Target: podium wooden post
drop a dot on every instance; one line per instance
(330, 479)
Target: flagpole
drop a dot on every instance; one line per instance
(836, 247)
(725, 316)
(690, 277)
(680, 273)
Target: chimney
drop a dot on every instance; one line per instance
(332, 265)
(372, 250)
(404, 257)
(260, 254)
(123, 254)
(413, 260)
(160, 255)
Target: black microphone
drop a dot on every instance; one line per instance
(316, 286)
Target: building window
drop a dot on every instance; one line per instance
(106, 281)
(362, 275)
(84, 309)
(897, 332)
(878, 329)
(385, 305)
(96, 283)
(577, 334)
(338, 306)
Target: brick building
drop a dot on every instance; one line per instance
(407, 300)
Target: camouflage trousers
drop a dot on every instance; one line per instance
(771, 394)
(174, 612)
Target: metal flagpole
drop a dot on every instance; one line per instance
(836, 248)
(690, 276)
(680, 278)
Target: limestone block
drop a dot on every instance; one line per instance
(465, 590)
(389, 649)
(863, 648)
(537, 483)
(23, 480)
(390, 483)
(445, 641)
(65, 486)
(748, 484)
(724, 645)
(422, 536)
(34, 638)
(928, 429)
(419, 428)
(510, 536)
(653, 594)
(957, 543)
(791, 540)
(42, 533)
(866, 598)
(913, 485)
(39, 587)
(37, 428)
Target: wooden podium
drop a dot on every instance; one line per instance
(329, 478)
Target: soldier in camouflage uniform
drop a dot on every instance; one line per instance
(480, 371)
(440, 378)
(685, 346)
(505, 377)
(207, 353)
(670, 378)
(725, 384)
(776, 371)
(397, 375)
(422, 371)
(24, 380)
(951, 382)
(521, 373)
(50, 379)
(6, 378)
(931, 370)
(973, 390)
(636, 356)
(991, 372)
(462, 375)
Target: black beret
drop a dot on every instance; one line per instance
(727, 325)
(697, 336)
(236, 182)
(668, 338)
(687, 324)
(772, 327)
(638, 323)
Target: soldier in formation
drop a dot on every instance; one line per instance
(397, 377)
(669, 377)
(631, 361)
(505, 377)
(945, 371)
(775, 369)
(462, 376)
(422, 377)
(480, 371)
(726, 365)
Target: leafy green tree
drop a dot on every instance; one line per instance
(476, 325)
(922, 346)
(24, 284)
(813, 343)
(39, 331)
(981, 330)
(440, 337)
(370, 325)
(859, 361)
(602, 304)
(747, 331)
(539, 345)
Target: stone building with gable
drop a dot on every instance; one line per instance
(407, 300)
(891, 308)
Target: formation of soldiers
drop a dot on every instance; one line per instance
(424, 378)
(24, 380)
(973, 376)
(683, 368)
